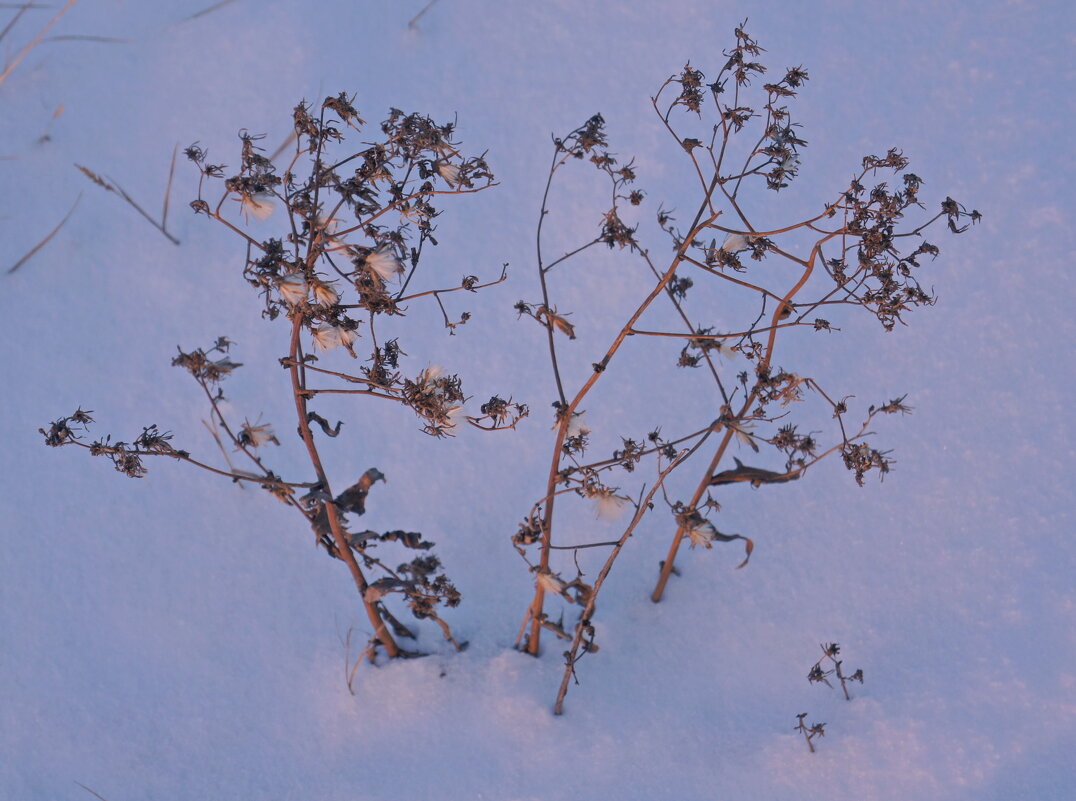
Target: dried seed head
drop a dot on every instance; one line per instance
(450, 173)
(326, 337)
(551, 583)
(735, 242)
(384, 264)
(293, 289)
(702, 533)
(609, 505)
(325, 294)
(257, 434)
(259, 205)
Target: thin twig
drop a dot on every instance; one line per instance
(571, 656)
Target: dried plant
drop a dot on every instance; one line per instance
(862, 249)
(809, 731)
(817, 674)
(353, 234)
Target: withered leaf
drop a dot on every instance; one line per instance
(382, 587)
(314, 417)
(749, 546)
(756, 476)
(409, 539)
(353, 499)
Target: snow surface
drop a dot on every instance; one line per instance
(177, 638)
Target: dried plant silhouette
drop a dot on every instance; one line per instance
(809, 730)
(818, 674)
(862, 250)
(350, 242)
(731, 286)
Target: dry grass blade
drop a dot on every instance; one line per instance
(168, 188)
(209, 10)
(11, 67)
(414, 20)
(92, 792)
(85, 37)
(284, 145)
(97, 179)
(212, 429)
(47, 239)
(117, 189)
(14, 20)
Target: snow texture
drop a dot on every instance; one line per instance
(178, 638)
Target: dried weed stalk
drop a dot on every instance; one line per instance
(818, 674)
(863, 249)
(809, 731)
(353, 232)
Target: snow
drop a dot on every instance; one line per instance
(176, 637)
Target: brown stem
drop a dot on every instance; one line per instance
(343, 548)
(588, 611)
(534, 611)
(667, 566)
